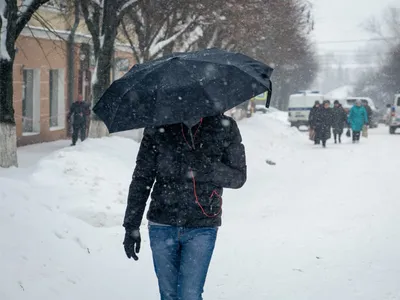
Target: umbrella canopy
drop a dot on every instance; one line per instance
(180, 87)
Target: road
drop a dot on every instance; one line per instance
(319, 224)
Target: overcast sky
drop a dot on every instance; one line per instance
(337, 20)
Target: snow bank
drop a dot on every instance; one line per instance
(61, 224)
(285, 235)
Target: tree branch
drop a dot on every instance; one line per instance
(92, 23)
(28, 8)
(125, 7)
(130, 41)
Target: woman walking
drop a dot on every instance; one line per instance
(312, 119)
(357, 119)
(339, 120)
(189, 164)
(323, 123)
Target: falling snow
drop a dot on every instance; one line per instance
(331, 235)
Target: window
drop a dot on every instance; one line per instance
(351, 101)
(398, 101)
(31, 102)
(56, 99)
(53, 85)
(27, 101)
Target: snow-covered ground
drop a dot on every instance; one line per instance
(320, 224)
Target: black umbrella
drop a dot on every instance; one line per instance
(181, 87)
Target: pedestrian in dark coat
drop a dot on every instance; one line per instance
(339, 120)
(323, 123)
(78, 114)
(368, 110)
(312, 115)
(311, 120)
(189, 165)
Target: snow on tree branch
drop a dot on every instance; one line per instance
(99, 3)
(125, 7)
(25, 4)
(190, 39)
(158, 45)
(28, 8)
(214, 38)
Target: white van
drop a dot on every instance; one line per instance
(300, 105)
(394, 122)
(350, 101)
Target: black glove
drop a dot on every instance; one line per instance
(132, 243)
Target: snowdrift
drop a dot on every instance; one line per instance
(61, 224)
(285, 234)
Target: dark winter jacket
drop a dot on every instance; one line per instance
(339, 116)
(323, 123)
(166, 157)
(79, 111)
(312, 116)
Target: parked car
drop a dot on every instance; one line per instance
(259, 103)
(394, 122)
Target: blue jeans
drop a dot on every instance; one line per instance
(181, 258)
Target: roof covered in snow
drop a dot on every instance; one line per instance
(340, 93)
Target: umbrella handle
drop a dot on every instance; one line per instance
(267, 103)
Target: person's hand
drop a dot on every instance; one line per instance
(132, 243)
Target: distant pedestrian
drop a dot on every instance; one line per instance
(369, 111)
(323, 123)
(312, 119)
(358, 117)
(78, 115)
(339, 116)
(388, 114)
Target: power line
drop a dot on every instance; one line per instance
(357, 41)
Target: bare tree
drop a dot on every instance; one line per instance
(382, 84)
(261, 29)
(13, 19)
(158, 27)
(387, 27)
(103, 18)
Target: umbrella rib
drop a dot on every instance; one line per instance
(237, 67)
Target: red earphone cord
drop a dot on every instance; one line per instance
(214, 192)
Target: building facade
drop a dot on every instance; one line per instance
(41, 83)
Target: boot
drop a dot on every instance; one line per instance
(324, 144)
